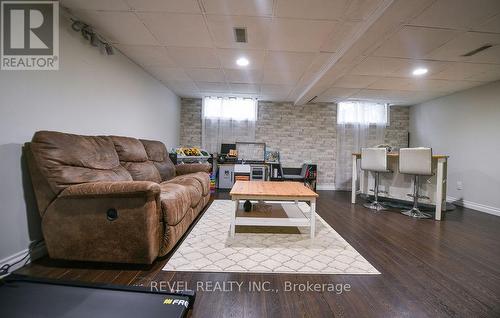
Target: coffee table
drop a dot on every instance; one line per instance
(290, 192)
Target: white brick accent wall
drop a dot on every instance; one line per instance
(300, 133)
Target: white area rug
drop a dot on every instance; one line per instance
(209, 248)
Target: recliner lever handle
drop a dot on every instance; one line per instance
(112, 214)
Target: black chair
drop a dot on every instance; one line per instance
(294, 177)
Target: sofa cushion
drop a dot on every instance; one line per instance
(202, 177)
(66, 159)
(142, 171)
(193, 187)
(158, 155)
(134, 158)
(129, 149)
(175, 202)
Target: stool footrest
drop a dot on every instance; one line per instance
(420, 196)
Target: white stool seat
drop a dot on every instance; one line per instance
(375, 160)
(417, 162)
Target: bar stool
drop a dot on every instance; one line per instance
(374, 160)
(417, 162)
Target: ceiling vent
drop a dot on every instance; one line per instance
(240, 35)
(479, 49)
(312, 99)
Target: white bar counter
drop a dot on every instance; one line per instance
(398, 185)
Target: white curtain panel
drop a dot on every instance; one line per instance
(359, 124)
(227, 120)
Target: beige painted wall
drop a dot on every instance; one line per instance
(90, 94)
(465, 126)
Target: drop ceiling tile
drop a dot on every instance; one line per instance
(466, 42)
(341, 33)
(194, 57)
(355, 81)
(110, 5)
(409, 66)
(239, 7)
(312, 9)
(118, 27)
(166, 74)
(228, 58)
(298, 91)
(339, 92)
(391, 83)
(280, 77)
(414, 42)
(463, 71)
(184, 6)
(213, 87)
(389, 96)
(147, 55)
(424, 96)
(490, 75)
(272, 89)
(457, 14)
(288, 61)
(222, 28)
(245, 88)
(274, 97)
(455, 86)
(243, 76)
(491, 25)
(175, 29)
(319, 60)
(183, 88)
(361, 9)
(205, 74)
(299, 35)
(378, 66)
(435, 85)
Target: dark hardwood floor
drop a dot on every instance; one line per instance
(428, 269)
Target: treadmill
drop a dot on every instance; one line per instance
(23, 296)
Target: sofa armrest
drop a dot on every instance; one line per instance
(106, 189)
(117, 222)
(186, 168)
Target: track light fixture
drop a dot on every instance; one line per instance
(93, 37)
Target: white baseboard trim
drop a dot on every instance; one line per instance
(36, 253)
(474, 206)
(325, 186)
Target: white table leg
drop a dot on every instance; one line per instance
(439, 188)
(233, 218)
(354, 178)
(313, 217)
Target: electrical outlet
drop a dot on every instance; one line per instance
(460, 185)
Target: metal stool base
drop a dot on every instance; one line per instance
(416, 213)
(375, 206)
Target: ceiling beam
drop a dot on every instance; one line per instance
(309, 92)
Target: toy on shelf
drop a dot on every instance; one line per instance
(191, 154)
(272, 156)
(213, 178)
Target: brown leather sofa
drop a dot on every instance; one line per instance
(112, 199)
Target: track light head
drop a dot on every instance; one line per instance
(94, 40)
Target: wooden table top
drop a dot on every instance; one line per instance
(396, 154)
(271, 189)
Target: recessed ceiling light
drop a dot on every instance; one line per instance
(420, 71)
(242, 61)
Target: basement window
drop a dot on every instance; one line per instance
(362, 113)
(230, 108)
